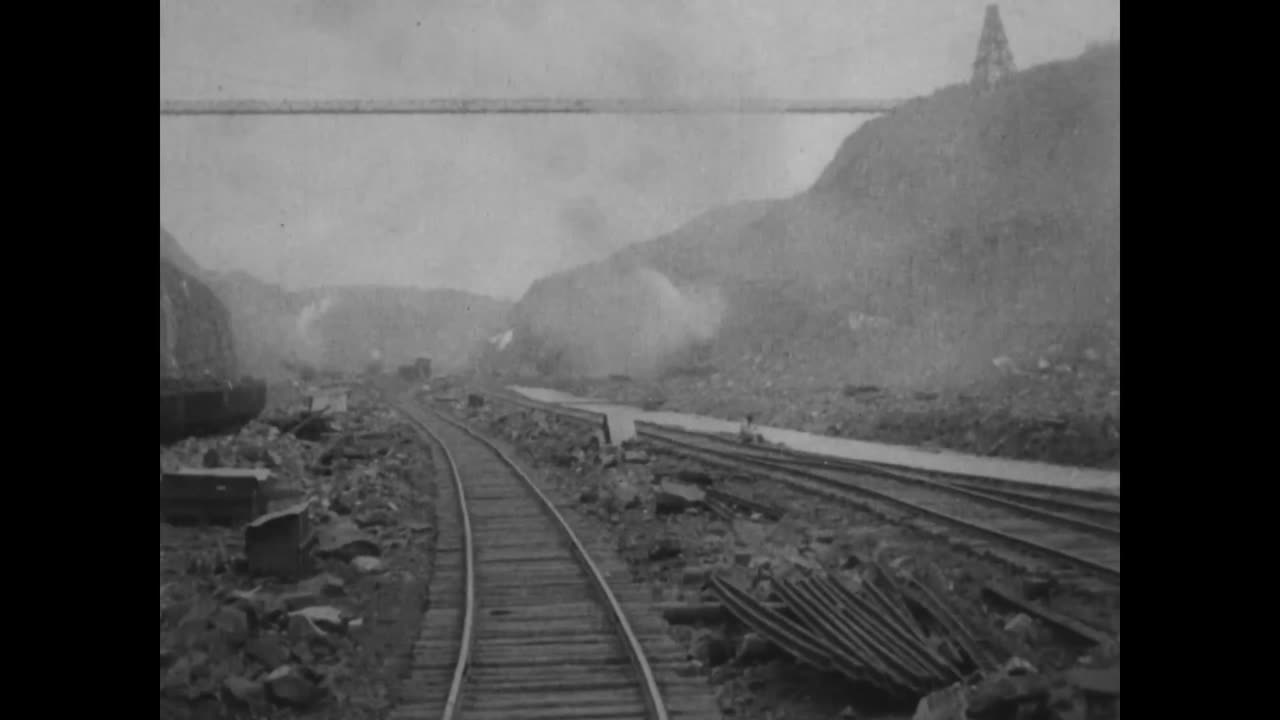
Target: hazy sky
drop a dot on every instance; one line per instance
(489, 204)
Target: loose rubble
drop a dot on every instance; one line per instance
(307, 610)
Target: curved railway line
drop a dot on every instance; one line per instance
(522, 622)
(1076, 531)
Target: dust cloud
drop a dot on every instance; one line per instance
(650, 174)
(613, 321)
(309, 341)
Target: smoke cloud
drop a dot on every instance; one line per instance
(634, 322)
(310, 341)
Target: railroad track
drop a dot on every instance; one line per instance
(1097, 506)
(1084, 496)
(1025, 539)
(522, 623)
(1077, 539)
(1086, 510)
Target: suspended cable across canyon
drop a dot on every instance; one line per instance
(528, 106)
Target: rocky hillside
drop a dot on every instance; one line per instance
(947, 243)
(340, 328)
(195, 329)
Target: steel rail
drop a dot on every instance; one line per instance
(802, 457)
(468, 622)
(797, 457)
(846, 489)
(525, 106)
(843, 465)
(820, 460)
(843, 489)
(652, 694)
(1045, 497)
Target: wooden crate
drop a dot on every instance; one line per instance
(331, 400)
(279, 544)
(214, 496)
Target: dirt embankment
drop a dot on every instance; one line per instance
(1036, 417)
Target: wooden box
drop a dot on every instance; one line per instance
(279, 543)
(220, 496)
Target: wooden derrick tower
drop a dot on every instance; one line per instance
(995, 60)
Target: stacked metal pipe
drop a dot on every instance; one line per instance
(906, 641)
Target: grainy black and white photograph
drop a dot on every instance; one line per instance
(640, 360)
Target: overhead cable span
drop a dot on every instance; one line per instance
(528, 106)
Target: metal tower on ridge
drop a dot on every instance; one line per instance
(995, 59)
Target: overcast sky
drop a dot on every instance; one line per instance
(489, 204)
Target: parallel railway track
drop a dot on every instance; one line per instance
(1088, 511)
(522, 622)
(1026, 525)
(1101, 504)
(999, 530)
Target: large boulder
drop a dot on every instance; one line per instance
(195, 327)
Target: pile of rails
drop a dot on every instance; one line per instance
(902, 638)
